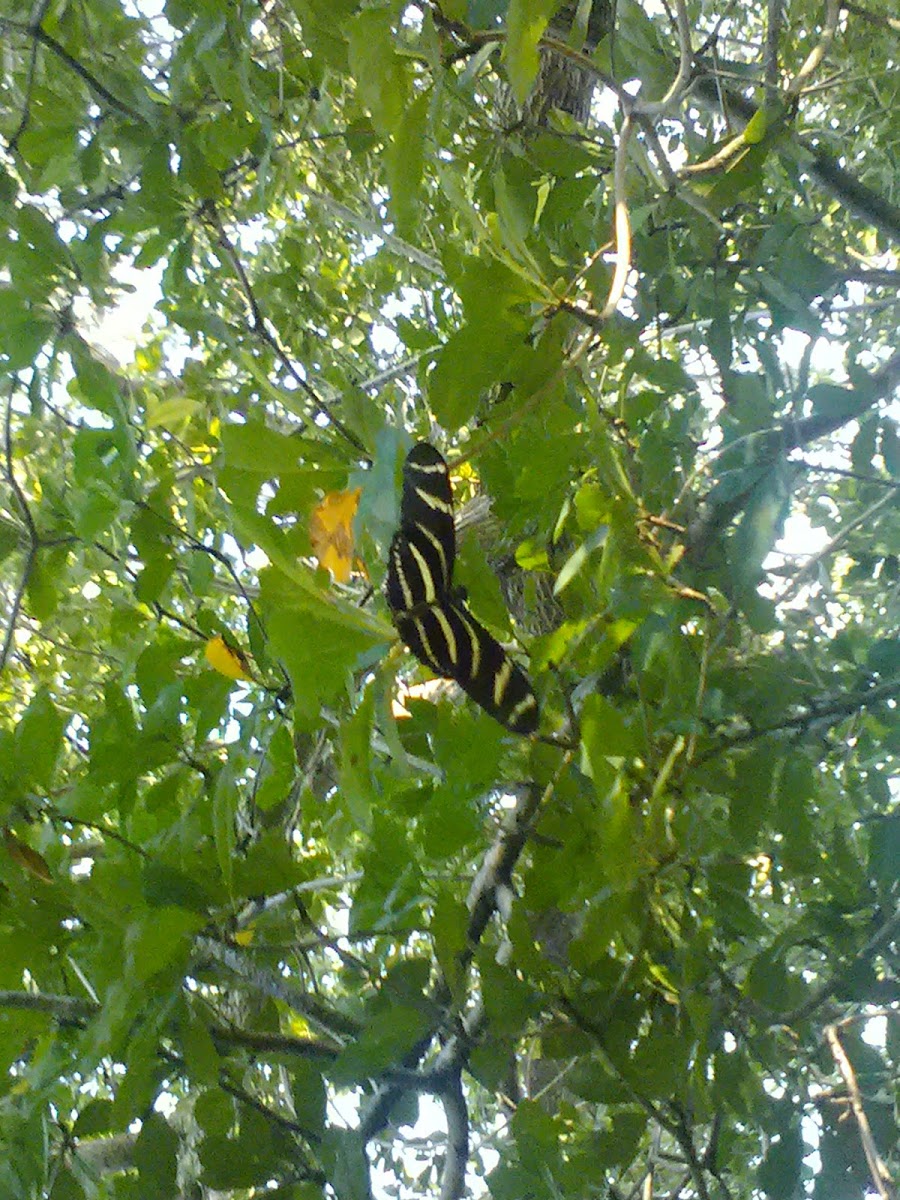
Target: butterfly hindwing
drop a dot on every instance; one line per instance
(447, 638)
(436, 626)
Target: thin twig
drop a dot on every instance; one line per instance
(366, 225)
(682, 81)
(873, 18)
(485, 895)
(496, 870)
(261, 326)
(331, 1023)
(622, 223)
(682, 1134)
(818, 52)
(774, 19)
(33, 541)
(826, 989)
(670, 180)
(29, 83)
(39, 34)
(835, 707)
(809, 567)
(846, 473)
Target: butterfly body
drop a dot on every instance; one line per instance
(430, 615)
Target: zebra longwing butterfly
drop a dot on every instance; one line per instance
(430, 617)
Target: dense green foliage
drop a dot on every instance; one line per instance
(248, 929)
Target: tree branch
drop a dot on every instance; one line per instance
(681, 82)
(332, 1023)
(765, 447)
(621, 222)
(33, 540)
(842, 706)
(453, 1179)
(486, 894)
(276, 1043)
(855, 196)
(367, 226)
(880, 1176)
(260, 325)
(774, 19)
(825, 990)
(865, 518)
(39, 34)
(877, 19)
(64, 1008)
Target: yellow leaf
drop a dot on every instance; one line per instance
(227, 660)
(331, 532)
(244, 937)
(29, 860)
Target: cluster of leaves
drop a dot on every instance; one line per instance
(252, 920)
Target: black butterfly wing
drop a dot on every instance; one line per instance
(447, 638)
(422, 554)
(441, 632)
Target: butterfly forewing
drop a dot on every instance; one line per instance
(426, 506)
(438, 629)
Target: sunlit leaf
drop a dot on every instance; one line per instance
(331, 532)
(228, 660)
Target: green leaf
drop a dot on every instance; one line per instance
(509, 1002)
(780, 1171)
(357, 785)
(471, 361)
(268, 867)
(389, 896)
(839, 403)
(660, 1061)
(884, 852)
(255, 447)
(320, 661)
(755, 129)
(384, 1041)
(156, 1154)
(10, 537)
(294, 585)
(196, 170)
(526, 21)
(605, 733)
(350, 1168)
(380, 74)
(38, 740)
(200, 1054)
(155, 941)
(245, 1161)
(404, 161)
(164, 885)
(43, 597)
(449, 921)
(890, 447)
(96, 1117)
(760, 526)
